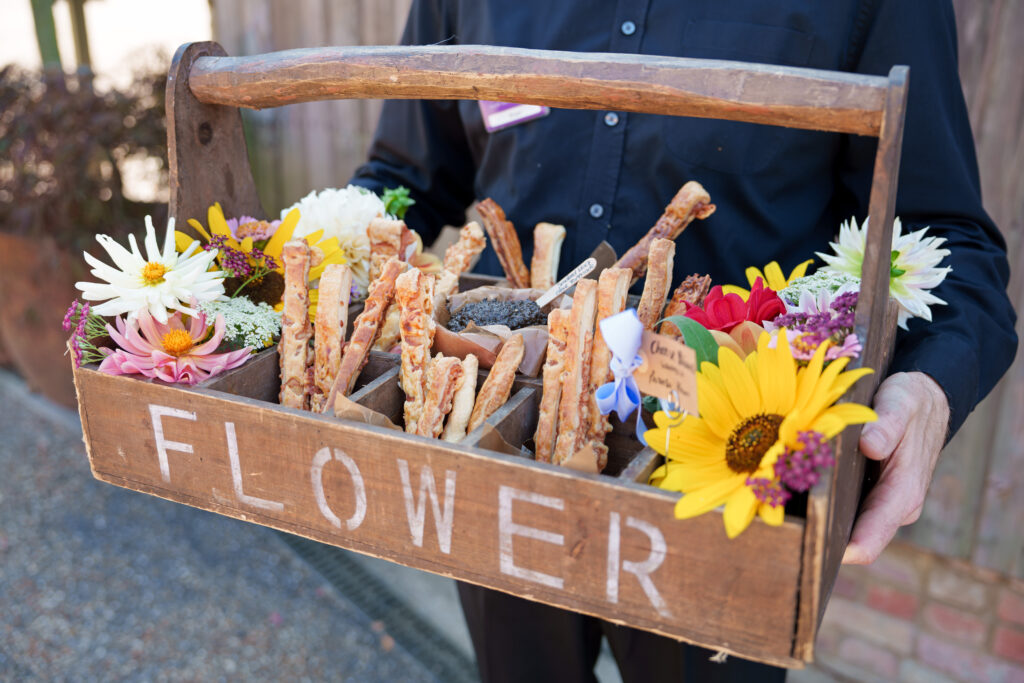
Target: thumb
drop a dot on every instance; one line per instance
(880, 438)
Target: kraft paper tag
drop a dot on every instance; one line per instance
(669, 371)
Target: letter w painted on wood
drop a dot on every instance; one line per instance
(416, 510)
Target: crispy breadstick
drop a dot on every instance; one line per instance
(658, 283)
(331, 317)
(554, 365)
(414, 292)
(462, 406)
(612, 291)
(390, 329)
(547, 249)
(505, 242)
(692, 201)
(443, 376)
(385, 237)
(293, 349)
(498, 385)
(574, 404)
(446, 285)
(459, 256)
(365, 330)
(690, 292)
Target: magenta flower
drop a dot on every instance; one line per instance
(168, 351)
(247, 226)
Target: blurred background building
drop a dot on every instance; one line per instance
(946, 602)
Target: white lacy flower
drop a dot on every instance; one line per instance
(246, 323)
(830, 282)
(343, 214)
(163, 281)
(914, 266)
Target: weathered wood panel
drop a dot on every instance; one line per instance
(590, 543)
(972, 510)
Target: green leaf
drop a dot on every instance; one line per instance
(697, 338)
(893, 270)
(397, 201)
(651, 404)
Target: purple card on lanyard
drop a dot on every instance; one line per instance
(500, 115)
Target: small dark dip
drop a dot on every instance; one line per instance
(514, 314)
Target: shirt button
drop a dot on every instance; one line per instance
(596, 210)
(628, 28)
(611, 119)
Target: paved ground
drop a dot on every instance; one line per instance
(99, 583)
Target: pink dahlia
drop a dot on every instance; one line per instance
(247, 226)
(168, 351)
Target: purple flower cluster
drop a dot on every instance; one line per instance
(799, 470)
(87, 326)
(232, 260)
(795, 470)
(769, 491)
(269, 263)
(835, 323)
(238, 263)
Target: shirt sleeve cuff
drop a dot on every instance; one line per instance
(952, 363)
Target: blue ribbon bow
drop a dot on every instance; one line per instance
(623, 334)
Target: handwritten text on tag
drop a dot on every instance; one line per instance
(669, 371)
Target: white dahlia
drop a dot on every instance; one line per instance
(343, 214)
(914, 270)
(164, 280)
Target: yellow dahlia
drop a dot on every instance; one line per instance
(772, 277)
(751, 411)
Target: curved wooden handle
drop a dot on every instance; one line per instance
(783, 96)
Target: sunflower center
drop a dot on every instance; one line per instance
(153, 273)
(750, 440)
(177, 342)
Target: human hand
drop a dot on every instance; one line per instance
(913, 415)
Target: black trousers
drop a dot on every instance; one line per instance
(519, 641)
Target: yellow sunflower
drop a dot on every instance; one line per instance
(324, 251)
(751, 411)
(772, 276)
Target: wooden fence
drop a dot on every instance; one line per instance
(972, 512)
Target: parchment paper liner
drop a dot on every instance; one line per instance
(485, 342)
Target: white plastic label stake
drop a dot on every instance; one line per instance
(563, 285)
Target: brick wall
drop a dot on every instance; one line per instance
(919, 617)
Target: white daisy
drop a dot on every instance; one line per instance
(163, 281)
(914, 267)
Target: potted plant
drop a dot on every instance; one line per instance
(63, 149)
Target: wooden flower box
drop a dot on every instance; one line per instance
(606, 545)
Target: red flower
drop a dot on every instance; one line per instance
(726, 311)
(763, 303)
(720, 311)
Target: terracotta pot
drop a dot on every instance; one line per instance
(36, 287)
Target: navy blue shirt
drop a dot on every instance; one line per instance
(781, 193)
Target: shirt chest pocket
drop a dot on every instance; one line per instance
(729, 146)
